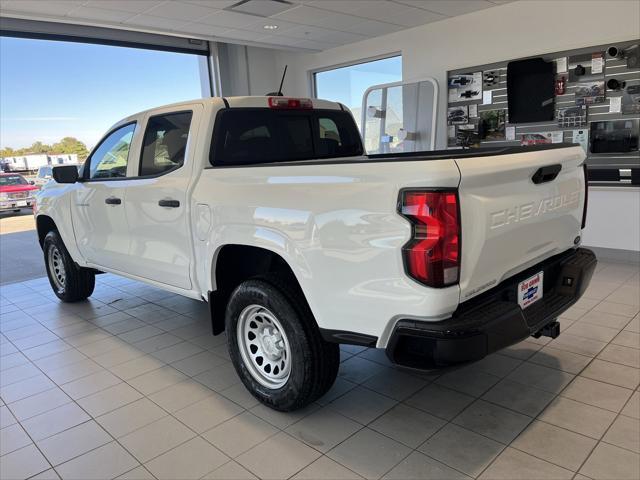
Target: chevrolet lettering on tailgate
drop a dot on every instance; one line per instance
(533, 209)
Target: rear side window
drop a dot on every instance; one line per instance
(249, 136)
(165, 143)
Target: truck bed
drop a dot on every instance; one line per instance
(450, 154)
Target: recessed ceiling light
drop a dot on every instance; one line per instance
(270, 27)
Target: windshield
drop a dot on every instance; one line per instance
(9, 180)
(44, 172)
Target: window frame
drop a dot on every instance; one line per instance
(144, 133)
(311, 114)
(87, 171)
(313, 83)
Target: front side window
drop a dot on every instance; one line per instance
(165, 143)
(110, 159)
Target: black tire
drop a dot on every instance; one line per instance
(79, 282)
(314, 362)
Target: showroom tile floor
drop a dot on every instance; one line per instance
(131, 385)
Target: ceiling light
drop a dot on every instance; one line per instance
(270, 27)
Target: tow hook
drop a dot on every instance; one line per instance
(550, 330)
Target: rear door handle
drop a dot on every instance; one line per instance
(112, 201)
(169, 203)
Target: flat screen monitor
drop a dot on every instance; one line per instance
(530, 90)
(614, 136)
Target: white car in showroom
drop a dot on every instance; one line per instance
(268, 209)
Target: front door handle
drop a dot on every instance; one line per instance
(112, 201)
(169, 203)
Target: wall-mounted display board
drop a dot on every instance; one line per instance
(589, 96)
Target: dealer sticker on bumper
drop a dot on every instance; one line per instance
(530, 290)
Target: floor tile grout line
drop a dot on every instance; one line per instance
(537, 418)
(31, 438)
(431, 381)
(597, 441)
(91, 417)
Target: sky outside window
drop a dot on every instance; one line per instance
(348, 84)
(51, 89)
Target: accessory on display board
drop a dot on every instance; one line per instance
(572, 116)
(467, 136)
(460, 81)
(615, 52)
(614, 84)
(458, 115)
(469, 94)
(579, 70)
(561, 84)
(630, 53)
(491, 78)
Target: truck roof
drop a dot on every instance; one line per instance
(233, 102)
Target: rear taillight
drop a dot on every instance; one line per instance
(586, 195)
(290, 103)
(432, 255)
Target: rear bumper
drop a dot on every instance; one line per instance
(493, 320)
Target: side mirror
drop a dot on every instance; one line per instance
(65, 174)
(31, 182)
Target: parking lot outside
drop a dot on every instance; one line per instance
(20, 254)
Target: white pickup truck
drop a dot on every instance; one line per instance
(267, 208)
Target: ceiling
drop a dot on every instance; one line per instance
(290, 24)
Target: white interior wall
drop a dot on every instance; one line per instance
(518, 29)
(613, 218)
(247, 70)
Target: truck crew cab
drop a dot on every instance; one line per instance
(268, 209)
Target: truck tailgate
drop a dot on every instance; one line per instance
(509, 222)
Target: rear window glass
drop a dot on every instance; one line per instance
(248, 136)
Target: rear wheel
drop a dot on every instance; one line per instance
(69, 282)
(276, 347)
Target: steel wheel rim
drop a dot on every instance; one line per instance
(264, 346)
(56, 267)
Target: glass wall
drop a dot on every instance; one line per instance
(348, 84)
(54, 93)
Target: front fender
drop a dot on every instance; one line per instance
(54, 201)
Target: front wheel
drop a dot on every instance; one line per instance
(276, 347)
(69, 282)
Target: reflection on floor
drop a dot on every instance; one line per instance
(132, 385)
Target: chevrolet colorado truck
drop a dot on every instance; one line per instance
(268, 209)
